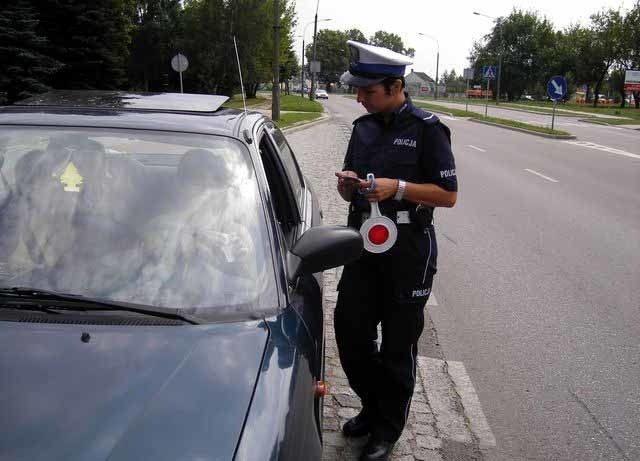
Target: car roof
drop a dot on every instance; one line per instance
(182, 112)
(182, 102)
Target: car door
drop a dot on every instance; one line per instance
(294, 210)
(291, 200)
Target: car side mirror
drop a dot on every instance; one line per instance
(321, 248)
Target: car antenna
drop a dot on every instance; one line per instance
(244, 102)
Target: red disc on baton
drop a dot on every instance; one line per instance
(379, 233)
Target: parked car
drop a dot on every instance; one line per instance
(321, 94)
(527, 97)
(160, 282)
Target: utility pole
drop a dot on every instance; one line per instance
(312, 93)
(499, 22)
(302, 71)
(435, 94)
(275, 91)
(437, 64)
(304, 34)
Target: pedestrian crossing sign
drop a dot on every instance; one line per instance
(489, 72)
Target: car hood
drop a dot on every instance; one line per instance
(126, 392)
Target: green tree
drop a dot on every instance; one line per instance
(203, 31)
(25, 67)
(333, 53)
(355, 35)
(90, 38)
(526, 45)
(391, 41)
(153, 43)
(207, 29)
(606, 45)
(454, 83)
(289, 69)
(630, 52)
(574, 57)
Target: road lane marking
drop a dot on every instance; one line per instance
(541, 175)
(476, 148)
(446, 117)
(471, 403)
(611, 150)
(441, 395)
(432, 300)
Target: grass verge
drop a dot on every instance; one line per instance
(499, 121)
(290, 118)
(235, 102)
(299, 104)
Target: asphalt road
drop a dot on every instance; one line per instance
(609, 136)
(538, 288)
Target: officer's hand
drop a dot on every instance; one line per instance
(347, 183)
(384, 188)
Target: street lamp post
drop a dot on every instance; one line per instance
(304, 34)
(437, 60)
(499, 23)
(312, 90)
(275, 89)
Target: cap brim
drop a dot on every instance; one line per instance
(353, 80)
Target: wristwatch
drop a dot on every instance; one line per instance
(400, 191)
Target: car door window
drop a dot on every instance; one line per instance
(289, 161)
(282, 191)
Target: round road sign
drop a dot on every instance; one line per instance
(179, 62)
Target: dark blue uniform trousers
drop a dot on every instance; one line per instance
(378, 289)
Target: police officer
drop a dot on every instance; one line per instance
(409, 152)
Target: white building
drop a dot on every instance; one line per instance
(420, 84)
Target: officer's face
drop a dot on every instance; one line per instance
(375, 99)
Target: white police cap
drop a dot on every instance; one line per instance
(372, 64)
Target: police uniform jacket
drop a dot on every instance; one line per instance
(416, 147)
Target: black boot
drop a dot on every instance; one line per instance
(377, 450)
(357, 426)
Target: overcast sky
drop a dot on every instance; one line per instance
(451, 22)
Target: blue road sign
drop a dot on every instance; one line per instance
(489, 72)
(557, 87)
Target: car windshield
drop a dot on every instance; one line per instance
(162, 219)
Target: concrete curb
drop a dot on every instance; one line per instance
(306, 124)
(524, 130)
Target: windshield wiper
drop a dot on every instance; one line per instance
(26, 295)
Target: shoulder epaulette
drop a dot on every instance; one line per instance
(427, 117)
(362, 117)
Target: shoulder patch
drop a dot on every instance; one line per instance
(427, 117)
